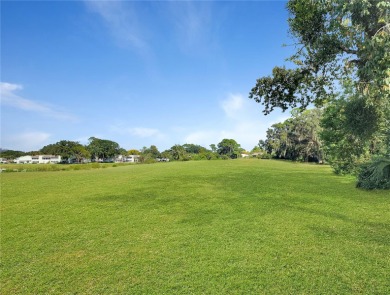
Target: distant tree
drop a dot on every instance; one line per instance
(65, 148)
(193, 148)
(213, 148)
(297, 138)
(102, 148)
(149, 155)
(166, 155)
(33, 153)
(11, 154)
(257, 149)
(133, 152)
(122, 152)
(229, 148)
(80, 152)
(50, 149)
(152, 152)
(178, 153)
(261, 144)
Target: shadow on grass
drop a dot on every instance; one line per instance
(355, 229)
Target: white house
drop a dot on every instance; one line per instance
(3, 161)
(128, 159)
(39, 159)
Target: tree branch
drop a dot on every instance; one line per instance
(347, 50)
(355, 61)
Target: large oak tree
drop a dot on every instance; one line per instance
(342, 61)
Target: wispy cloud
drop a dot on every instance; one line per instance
(141, 132)
(193, 24)
(145, 132)
(232, 105)
(9, 98)
(121, 19)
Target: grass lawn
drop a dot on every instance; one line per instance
(198, 227)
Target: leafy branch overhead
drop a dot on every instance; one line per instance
(336, 40)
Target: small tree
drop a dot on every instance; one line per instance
(179, 153)
(229, 148)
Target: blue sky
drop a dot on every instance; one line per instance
(137, 72)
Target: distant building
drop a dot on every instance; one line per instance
(127, 159)
(74, 160)
(39, 159)
(162, 159)
(3, 161)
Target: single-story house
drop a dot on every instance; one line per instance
(3, 161)
(162, 159)
(38, 159)
(127, 159)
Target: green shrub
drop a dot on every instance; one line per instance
(148, 160)
(375, 175)
(264, 156)
(95, 165)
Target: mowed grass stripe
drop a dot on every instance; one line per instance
(207, 227)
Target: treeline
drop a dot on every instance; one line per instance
(226, 149)
(103, 150)
(324, 135)
(297, 138)
(341, 63)
(318, 135)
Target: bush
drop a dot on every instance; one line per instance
(95, 165)
(148, 160)
(375, 175)
(264, 156)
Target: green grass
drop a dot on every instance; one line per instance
(198, 227)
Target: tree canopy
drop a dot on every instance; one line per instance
(11, 154)
(102, 148)
(66, 149)
(336, 41)
(229, 148)
(342, 62)
(297, 138)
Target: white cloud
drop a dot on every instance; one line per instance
(7, 88)
(242, 121)
(27, 141)
(232, 105)
(9, 98)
